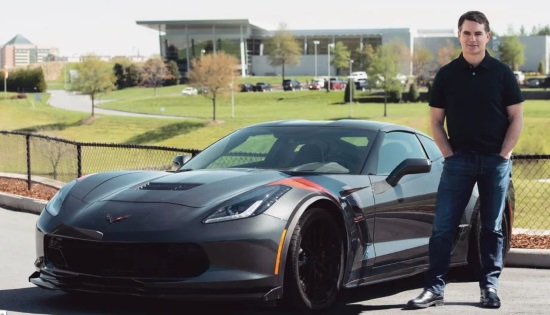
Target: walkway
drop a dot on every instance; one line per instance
(82, 103)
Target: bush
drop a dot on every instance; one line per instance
(414, 94)
(27, 80)
(395, 96)
(350, 85)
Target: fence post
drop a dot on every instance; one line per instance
(28, 142)
(79, 160)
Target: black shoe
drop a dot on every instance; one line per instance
(426, 299)
(489, 298)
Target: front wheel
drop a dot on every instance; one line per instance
(314, 266)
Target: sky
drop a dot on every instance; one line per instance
(108, 27)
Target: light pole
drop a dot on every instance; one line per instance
(315, 42)
(330, 46)
(350, 87)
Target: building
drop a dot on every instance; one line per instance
(19, 51)
(183, 40)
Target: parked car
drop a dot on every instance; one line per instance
(355, 76)
(361, 84)
(292, 210)
(533, 83)
(337, 84)
(189, 91)
(262, 87)
(291, 85)
(402, 78)
(316, 84)
(246, 87)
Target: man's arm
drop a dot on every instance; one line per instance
(437, 120)
(515, 114)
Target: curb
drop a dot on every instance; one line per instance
(21, 203)
(526, 257)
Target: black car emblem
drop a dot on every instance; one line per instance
(110, 219)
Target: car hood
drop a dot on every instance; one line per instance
(199, 188)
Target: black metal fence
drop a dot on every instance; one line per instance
(61, 160)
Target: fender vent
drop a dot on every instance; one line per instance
(167, 186)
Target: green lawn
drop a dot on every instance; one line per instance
(196, 130)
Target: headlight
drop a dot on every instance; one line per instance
(54, 205)
(248, 204)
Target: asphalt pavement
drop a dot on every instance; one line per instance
(82, 103)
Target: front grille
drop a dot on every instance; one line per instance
(117, 259)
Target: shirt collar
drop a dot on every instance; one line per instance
(485, 63)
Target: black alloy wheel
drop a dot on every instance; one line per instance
(315, 262)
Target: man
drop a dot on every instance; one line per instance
(481, 101)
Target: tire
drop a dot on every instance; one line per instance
(314, 266)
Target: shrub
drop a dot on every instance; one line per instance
(414, 94)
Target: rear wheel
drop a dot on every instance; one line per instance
(314, 266)
(474, 249)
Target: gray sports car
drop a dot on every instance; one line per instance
(288, 210)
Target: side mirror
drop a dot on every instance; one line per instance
(180, 160)
(408, 166)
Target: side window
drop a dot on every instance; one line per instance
(396, 147)
(433, 151)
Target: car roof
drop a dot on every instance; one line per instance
(350, 123)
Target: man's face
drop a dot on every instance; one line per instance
(473, 37)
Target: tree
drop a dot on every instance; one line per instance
(447, 53)
(365, 56)
(213, 73)
(283, 49)
(542, 31)
(54, 152)
(153, 73)
(174, 76)
(350, 92)
(421, 62)
(132, 75)
(94, 77)
(402, 54)
(512, 52)
(342, 56)
(118, 70)
(384, 70)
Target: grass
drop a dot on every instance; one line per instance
(532, 194)
(196, 130)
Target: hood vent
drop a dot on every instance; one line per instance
(167, 186)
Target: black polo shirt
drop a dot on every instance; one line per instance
(475, 101)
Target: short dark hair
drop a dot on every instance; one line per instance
(475, 16)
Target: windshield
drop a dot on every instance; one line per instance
(297, 148)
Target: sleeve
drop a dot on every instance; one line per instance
(437, 98)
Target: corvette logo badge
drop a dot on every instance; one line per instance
(110, 219)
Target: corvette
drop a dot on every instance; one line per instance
(287, 211)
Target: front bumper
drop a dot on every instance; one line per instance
(234, 262)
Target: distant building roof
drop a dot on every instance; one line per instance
(18, 40)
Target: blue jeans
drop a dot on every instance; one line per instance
(461, 172)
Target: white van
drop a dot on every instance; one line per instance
(358, 75)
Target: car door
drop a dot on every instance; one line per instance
(404, 213)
